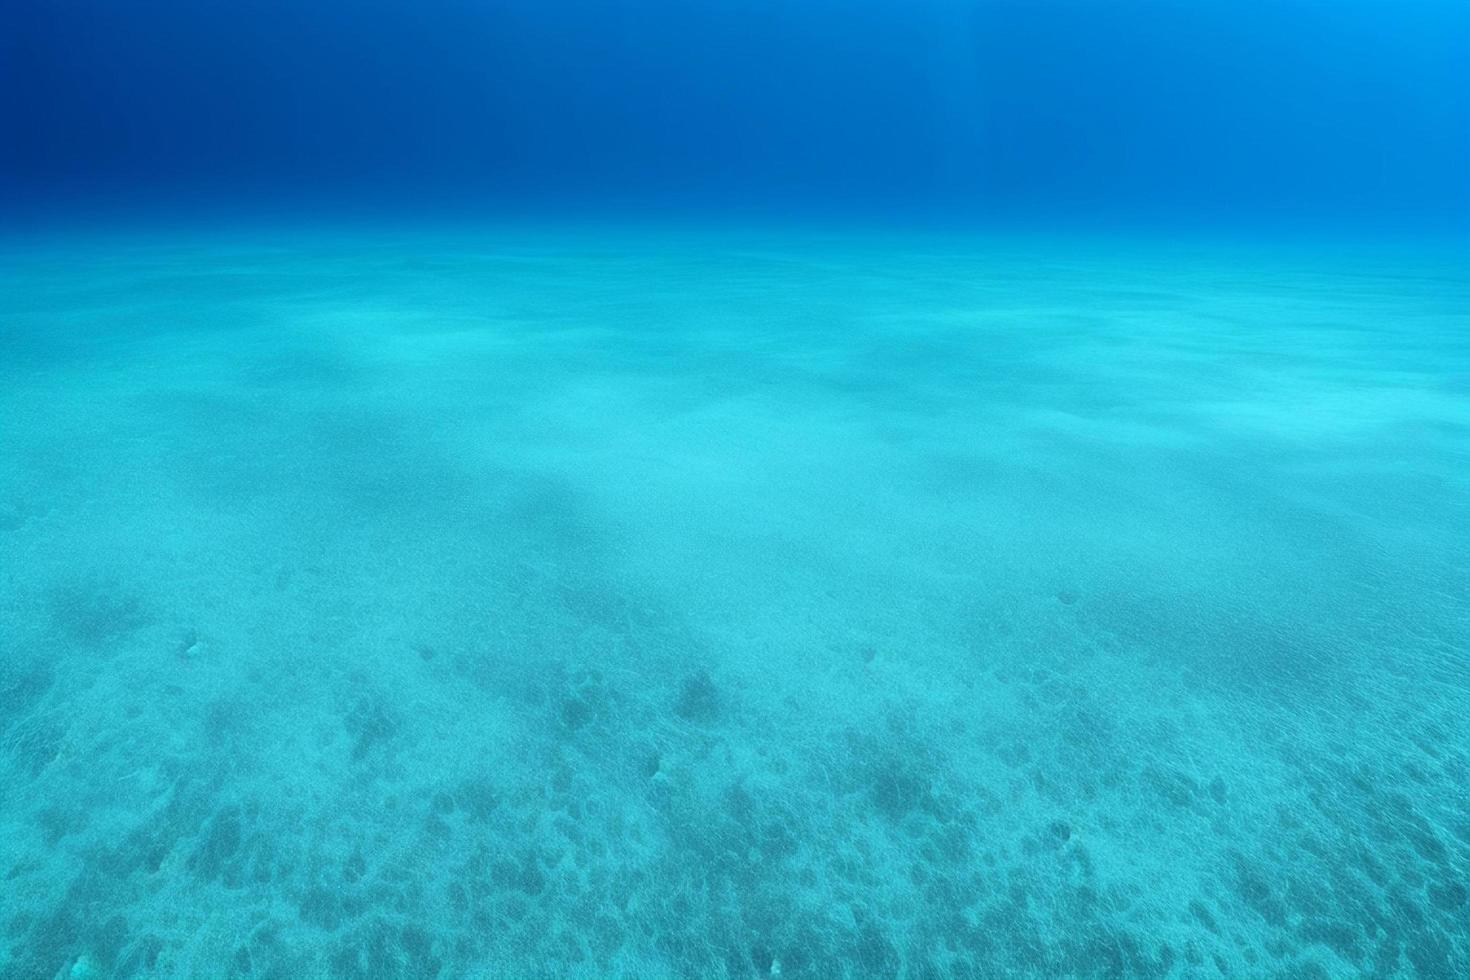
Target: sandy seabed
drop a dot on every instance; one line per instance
(620, 603)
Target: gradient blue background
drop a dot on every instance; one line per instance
(865, 490)
(1053, 109)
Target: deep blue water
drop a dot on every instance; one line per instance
(1064, 109)
(734, 489)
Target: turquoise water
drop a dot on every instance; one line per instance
(613, 602)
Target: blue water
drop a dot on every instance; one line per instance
(927, 490)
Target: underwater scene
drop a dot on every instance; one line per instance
(949, 489)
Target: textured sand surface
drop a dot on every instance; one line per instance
(552, 603)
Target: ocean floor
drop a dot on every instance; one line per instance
(598, 603)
